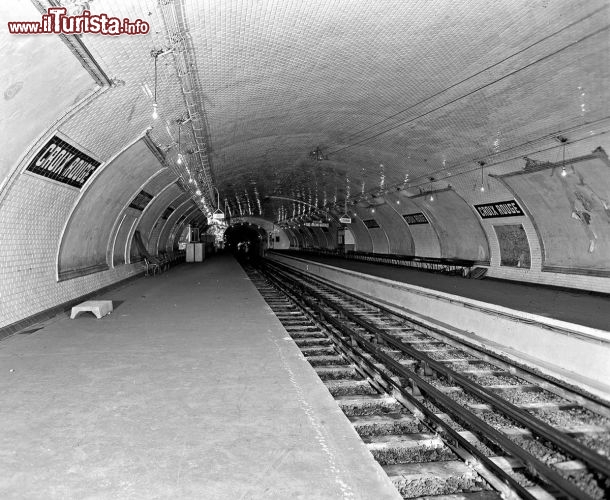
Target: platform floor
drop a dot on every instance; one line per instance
(581, 308)
(191, 388)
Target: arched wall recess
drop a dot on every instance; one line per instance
(364, 242)
(425, 236)
(149, 216)
(571, 212)
(155, 231)
(294, 242)
(395, 227)
(175, 218)
(308, 237)
(379, 238)
(155, 187)
(84, 242)
(174, 235)
(460, 232)
(129, 217)
(118, 239)
(319, 237)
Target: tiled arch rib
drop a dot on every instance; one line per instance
(177, 217)
(119, 247)
(461, 234)
(83, 247)
(379, 239)
(152, 240)
(153, 212)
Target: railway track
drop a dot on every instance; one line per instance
(442, 417)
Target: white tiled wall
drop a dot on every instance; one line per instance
(31, 219)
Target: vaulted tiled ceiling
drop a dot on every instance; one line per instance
(422, 87)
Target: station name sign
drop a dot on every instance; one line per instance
(168, 211)
(63, 163)
(508, 208)
(416, 218)
(141, 200)
(316, 224)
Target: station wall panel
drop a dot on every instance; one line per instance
(176, 217)
(364, 242)
(571, 212)
(33, 215)
(425, 238)
(124, 230)
(460, 232)
(398, 233)
(379, 238)
(85, 241)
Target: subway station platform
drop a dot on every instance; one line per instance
(191, 388)
(573, 306)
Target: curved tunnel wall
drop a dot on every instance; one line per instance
(364, 242)
(372, 223)
(60, 96)
(424, 235)
(122, 250)
(459, 229)
(83, 248)
(153, 212)
(399, 236)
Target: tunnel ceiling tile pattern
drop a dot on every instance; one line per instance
(385, 89)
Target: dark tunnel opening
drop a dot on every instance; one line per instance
(245, 241)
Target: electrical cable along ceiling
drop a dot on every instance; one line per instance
(327, 99)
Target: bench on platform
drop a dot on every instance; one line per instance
(98, 307)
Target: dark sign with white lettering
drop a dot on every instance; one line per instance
(371, 223)
(62, 162)
(508, 208)
(168, 211)
(141, 200)
(417, 218)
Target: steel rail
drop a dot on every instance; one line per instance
(430, 419)
(593, 459)
(586, 400)
(500, 439)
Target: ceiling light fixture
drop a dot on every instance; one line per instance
(563, 141)
(179, 160)
(155, 54)
(482, 188)
(218, 214)
(317, 155)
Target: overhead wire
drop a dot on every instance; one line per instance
(478, 89)
(568, 26)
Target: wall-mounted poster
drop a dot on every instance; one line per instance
(570, 206)
(514, 247)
